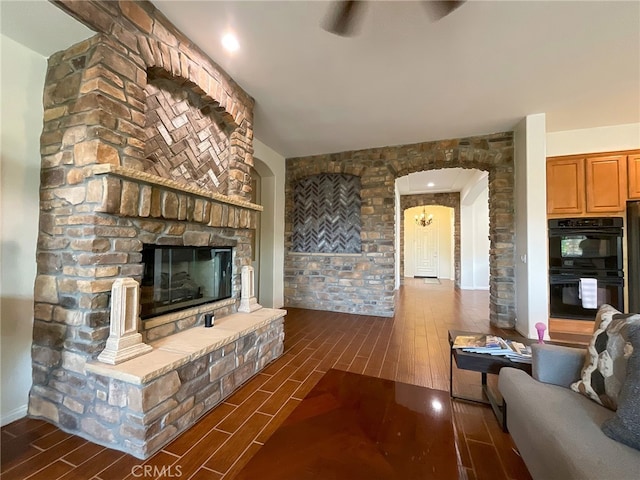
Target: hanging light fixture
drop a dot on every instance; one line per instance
(423, 220)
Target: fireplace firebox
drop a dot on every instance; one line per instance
(176, 278)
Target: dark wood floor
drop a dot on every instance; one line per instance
(410, 348)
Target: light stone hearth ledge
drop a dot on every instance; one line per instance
(170, 353)
(139, 176)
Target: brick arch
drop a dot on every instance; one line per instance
(451, 200)
(326, 167)
(493, 154)
(374, 269)
(196, 79)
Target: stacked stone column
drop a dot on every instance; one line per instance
(97, 206)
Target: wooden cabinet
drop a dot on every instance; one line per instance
(565, 185)
(633, 165)
(606, 183)
(587, 185)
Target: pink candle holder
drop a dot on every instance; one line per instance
(540, 327)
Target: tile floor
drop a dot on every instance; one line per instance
(411, 348)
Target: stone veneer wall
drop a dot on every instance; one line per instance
(364, 284)
(451, 200)
(140, 418)
(98, 205)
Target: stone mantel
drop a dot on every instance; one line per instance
(132, 193)
(149, 179)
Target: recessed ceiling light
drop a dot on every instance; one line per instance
(431, 184)
(230, 42)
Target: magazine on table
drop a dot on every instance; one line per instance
(494, 345)
(476, 341)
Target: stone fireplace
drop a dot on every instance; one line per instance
(145, 142)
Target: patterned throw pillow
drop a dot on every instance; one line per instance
(605, 367)
(625, 425)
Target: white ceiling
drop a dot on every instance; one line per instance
(403, 78)
(445, 180)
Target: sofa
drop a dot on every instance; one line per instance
(557, 430)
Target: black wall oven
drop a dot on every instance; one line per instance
(585, 266)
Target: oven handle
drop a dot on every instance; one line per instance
(563, 278)
(603, 232)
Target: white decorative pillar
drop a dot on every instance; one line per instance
(124, 342)
(248, 301)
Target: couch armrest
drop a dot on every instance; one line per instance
(556, 364)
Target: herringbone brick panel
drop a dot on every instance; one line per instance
(326, 216)
(184, 140)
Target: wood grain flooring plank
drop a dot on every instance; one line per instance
(194, 458)
(42, 459)
(277, 420)
(93, 466)
(279, 378)
(247, 389)
(200, 430)
(206, 474)
(279, 397)
(305, 369)
(161, 465)
(52, 471)
(24, 425)
(486, 463)
(307, 385)
(14, 452)
(240, 415)
(83, 453)
(124, 467)
(225, 456)
(50, 440)
(242, 460)
(358, 364)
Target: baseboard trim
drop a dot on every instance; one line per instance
(472, 287)
(13, 415)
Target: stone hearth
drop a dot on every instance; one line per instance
(145, 141)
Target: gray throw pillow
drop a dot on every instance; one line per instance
(625, 425)
(605, 366)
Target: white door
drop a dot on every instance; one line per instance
(426, 253)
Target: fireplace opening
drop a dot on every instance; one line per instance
(176, 278)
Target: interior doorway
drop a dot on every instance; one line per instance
(428, 250)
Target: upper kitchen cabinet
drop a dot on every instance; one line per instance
(592, 184)
(606, 186)
(633, 164)
(565, 185)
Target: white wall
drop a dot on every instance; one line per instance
(474, 238)
(22, 77)
(396, 241)
(532, 292)
(594, 140)
(272, 168)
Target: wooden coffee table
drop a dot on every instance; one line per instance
(485, 364)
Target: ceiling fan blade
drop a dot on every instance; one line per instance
(342, 17)
(441, 8)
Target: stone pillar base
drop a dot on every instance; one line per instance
(248, 305)
(115, 352)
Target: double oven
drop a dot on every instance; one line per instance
(585, 266)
